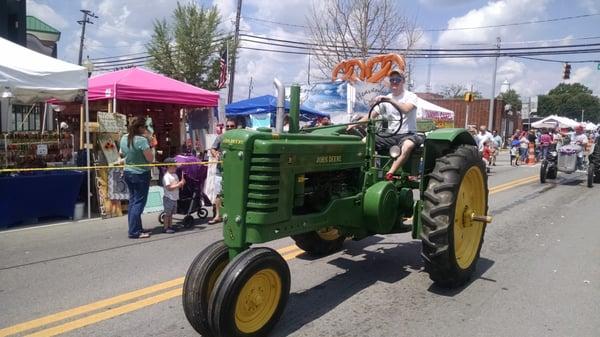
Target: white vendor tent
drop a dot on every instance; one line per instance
(589, 126)
(27, 76)
(429, 110)
(554, 121)
(34, 77)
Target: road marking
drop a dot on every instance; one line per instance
(288, 253)
(98, 317)
(513, 185)
(95, 318)
(89, 307)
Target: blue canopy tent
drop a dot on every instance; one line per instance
(267, 104)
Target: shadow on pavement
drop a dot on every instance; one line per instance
(483, 265)
(386, 264)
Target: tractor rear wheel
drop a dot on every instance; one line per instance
(320, 243)
(199, 283)
(250, 295)
(457, 191)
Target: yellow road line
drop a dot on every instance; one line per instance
(288, 253)
(88, 307)
(522, 182)
(95, 318)
(513, 182)
(53, 318)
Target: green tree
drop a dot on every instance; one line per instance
(186, 50)
(513, 98)
(569, 100)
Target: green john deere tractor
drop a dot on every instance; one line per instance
(320, 187)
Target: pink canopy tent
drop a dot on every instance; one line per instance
(138, 84)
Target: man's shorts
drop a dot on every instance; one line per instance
(169, 206)
(383, 144)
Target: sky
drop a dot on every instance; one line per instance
(125, 26)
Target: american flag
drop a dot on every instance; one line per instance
(223, 63)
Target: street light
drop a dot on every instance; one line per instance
(89, 66)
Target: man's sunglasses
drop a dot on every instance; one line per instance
(396, 80)
(230, 126)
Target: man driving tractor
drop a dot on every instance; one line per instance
(407, 137)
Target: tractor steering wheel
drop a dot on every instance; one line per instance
(385, 134)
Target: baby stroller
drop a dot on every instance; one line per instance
(191, 198)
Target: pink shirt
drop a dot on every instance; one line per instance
(545, 139)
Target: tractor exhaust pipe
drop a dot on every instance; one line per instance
(280, 105)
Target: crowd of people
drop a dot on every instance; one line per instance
(520, 142)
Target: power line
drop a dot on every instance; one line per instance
(457, 28)
(305, 43)
(557, 61)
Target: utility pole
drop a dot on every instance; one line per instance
(491, 114)
(236, 40)
(86, 15)
(308, 72)
(582, 110)
(428, 88)
(250, 87)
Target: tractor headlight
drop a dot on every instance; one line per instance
(395, 151)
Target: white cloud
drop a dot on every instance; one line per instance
(46, 14)
(444, 3)
(494, 13)
(590, 5)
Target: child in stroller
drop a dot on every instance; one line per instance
(191, 198)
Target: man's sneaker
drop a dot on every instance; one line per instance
(169, 231)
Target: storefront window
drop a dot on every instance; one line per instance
(27, 117)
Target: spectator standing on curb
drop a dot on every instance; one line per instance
(514, 151)
(171, 186)
(135, 147)
(497, 145)
(523, 146)
(214, 180)
(483, 136)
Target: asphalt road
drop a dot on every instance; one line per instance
(538, 275)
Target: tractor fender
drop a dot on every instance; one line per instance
(439, 143)
(455, 136)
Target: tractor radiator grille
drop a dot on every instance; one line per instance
(263, 187)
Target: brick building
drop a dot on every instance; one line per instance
(505, 122)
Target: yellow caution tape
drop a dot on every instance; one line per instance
(83, 168)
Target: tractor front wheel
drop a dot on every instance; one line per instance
(543, 171)
(199, 283)
(250, 295)
(454, 202)
(320, 243)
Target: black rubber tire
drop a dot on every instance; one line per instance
(222, 305)
(161, 218)
(188, 221)
(202, 213)
(313, 244)
(437, 217)
(590, 175)
(552, 173)
(199, 283)
(543, 171)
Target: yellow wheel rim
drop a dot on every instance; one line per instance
(328, 234)
(467, 233)
(258, 301)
